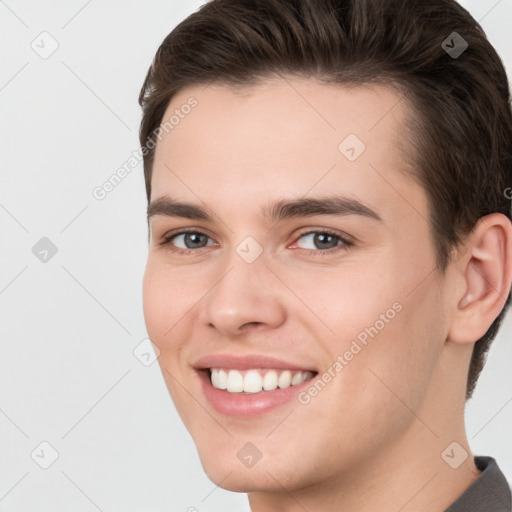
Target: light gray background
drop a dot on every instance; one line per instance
(68, 375)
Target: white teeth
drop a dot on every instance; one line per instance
(285, 379)
(270, 380)
(297, 378)
(220, 379)
(254, 382)
(235, 382)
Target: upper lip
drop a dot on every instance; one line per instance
(246, 362)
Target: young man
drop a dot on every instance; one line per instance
(330, 247)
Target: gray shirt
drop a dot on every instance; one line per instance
(490, 492)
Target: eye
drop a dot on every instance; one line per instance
(323, 241)
(190, 240)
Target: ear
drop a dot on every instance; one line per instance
(486, 273)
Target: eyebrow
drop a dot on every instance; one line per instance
(272, 212)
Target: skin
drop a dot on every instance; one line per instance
(372, 439)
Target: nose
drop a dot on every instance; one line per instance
(247, 296)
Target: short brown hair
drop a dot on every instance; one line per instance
(462, 130)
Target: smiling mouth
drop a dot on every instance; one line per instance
(256, 380)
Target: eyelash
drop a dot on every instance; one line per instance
(345, 243)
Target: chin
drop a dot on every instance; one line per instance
(244, 480)
(225, 469)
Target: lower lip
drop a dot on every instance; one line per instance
(250, 404)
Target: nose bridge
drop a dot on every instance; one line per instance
(245, 292)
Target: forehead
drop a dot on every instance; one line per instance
(285, 137)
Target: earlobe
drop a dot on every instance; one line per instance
(487, 273)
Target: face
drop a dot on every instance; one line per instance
(302, 280)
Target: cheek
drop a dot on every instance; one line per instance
(155, 302)
(366, 398)
(348, 303)
(165, 301)
(169, 304)
(163, 306)
(400, 353)
(389, 333)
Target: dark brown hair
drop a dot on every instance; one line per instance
(462, 128)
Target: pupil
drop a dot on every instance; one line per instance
(322, 239)
(195, 237)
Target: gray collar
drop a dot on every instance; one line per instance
(490, 492)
